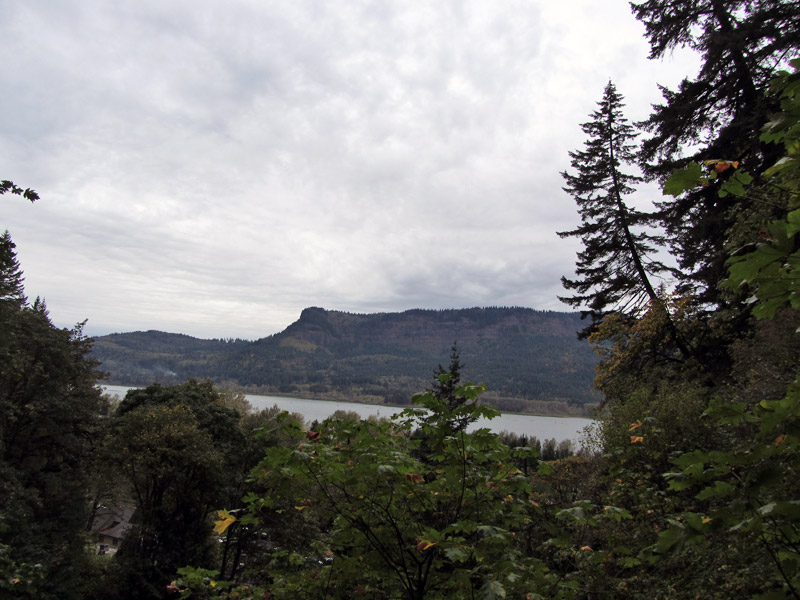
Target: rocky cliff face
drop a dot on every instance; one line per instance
(429, 328)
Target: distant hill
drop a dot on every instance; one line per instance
(530, 360)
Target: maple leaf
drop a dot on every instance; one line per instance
(226, 519)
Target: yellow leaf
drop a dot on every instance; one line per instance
(226, 519)
(424, 545)
(779, 439)
(636, 439)
(706, 519)
(586, 548)
(634, 426)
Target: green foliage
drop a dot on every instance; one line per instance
(749, 492)
(11, 280)
(442, 524)
(178, 450)
(784, 125)
(400, 516)
(731, 498)
(684, 179)
(772, 268)
(7, 187)
(49, 415)
(693, 175)
(716, 114)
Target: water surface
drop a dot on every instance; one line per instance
(560, 428)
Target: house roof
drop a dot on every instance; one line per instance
(114, 520)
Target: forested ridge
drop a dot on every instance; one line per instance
(689, 487)
(530, 360)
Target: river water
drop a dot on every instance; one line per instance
(560, 428)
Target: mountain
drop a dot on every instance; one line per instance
(531, 361)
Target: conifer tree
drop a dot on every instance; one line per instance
(717, 115)
(446, 387)
(11, 287)
(613, 270)
(49, 415)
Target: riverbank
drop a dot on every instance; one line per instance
(540, 426)
(505, 404)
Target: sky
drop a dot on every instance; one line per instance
(212, 168)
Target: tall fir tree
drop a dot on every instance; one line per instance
(717, 115)
(11, 286)
(444, 388)
(614, 270)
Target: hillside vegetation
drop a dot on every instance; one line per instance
(531, 360)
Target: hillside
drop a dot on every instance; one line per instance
(530, 360)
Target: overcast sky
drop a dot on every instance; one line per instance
(212, 168)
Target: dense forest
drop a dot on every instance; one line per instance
(689, 488)
(530, 360)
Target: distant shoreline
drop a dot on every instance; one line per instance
(582, 412)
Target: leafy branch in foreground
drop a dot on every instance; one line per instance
(770, 269)
(7, 187)
(402, 516)
(749, 492)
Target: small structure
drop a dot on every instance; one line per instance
(111, 523)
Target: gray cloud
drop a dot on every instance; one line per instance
(212, 169)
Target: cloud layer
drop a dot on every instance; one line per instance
(213, 168)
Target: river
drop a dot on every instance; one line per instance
(560, 428)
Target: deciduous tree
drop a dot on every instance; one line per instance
(178, 448)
